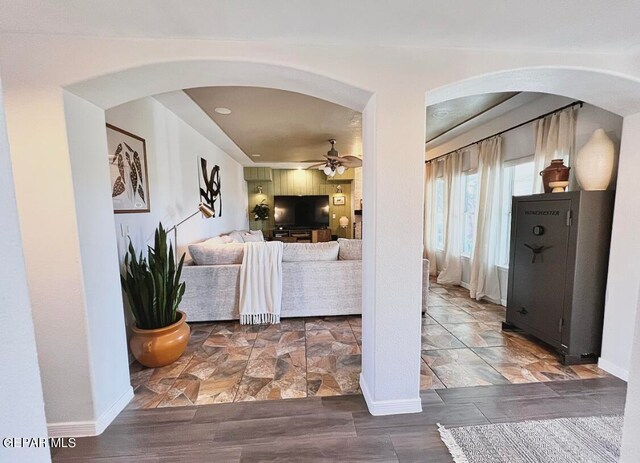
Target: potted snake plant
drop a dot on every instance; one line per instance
(154, 291)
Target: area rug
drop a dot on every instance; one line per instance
(593, 439)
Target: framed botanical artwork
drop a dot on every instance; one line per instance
(210, 187)
(128, 171)
(339, 200)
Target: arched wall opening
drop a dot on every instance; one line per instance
(84, 107)
(611, 91)
(620, 95)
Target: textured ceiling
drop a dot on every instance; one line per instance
(281, 126)
(578, 25)
(445, 116)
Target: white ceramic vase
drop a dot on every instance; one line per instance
(594, 162)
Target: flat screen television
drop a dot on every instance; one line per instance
(301, 211)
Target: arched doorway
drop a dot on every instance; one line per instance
(616, 94)
(84, 105)
(620, 95)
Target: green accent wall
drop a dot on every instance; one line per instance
(298, 182)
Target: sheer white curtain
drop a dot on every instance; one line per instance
(555, 139)
(484, 260)
(430, 216)
(453, 218)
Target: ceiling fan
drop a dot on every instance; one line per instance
(335, 163)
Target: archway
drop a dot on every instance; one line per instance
(620, 95)
(613, 92)
(84, 105)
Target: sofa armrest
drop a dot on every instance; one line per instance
(211, 292)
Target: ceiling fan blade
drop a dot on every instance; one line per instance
(316, 166)
(351, 161)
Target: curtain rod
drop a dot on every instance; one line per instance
(570, 105)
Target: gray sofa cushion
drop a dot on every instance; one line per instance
(216, 254)
(349, 249)
(307, 252)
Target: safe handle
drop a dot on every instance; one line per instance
(523, 311)
(535, 251)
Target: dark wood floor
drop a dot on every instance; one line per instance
(334, 428)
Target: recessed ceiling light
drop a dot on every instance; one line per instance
(256, 155)
(222, 110)
(440, 114)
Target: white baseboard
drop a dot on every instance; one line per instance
(72, 429)
(613, 369)
(91, 428)
(465, 285)
(389, 407)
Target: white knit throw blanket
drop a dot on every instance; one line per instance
(261, 282)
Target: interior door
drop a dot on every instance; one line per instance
(540, 263)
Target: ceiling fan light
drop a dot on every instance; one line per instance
(341, 169)
(333, 172)
(327, 170)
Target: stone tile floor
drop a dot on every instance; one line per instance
(462, 345)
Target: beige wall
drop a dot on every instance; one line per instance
(301, 182)
(22, 410)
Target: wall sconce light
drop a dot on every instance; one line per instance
(339, 189)
(259, 189)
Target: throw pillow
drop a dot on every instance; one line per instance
(307, 252)
(216, 254)
(223, 239)
(350, 249)
(252, 235)
(236, 236)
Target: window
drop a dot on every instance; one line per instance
(518, 181)
(470, 185)
(440, 214)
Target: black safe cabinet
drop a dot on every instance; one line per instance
(558, 269)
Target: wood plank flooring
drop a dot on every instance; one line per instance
(330, 429)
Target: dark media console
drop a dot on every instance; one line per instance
(300, 235)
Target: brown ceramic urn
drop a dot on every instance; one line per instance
(554, 172)
(162, 346)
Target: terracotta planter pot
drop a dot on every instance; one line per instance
(162, 346)
(554, 172)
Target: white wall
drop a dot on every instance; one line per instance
(521, 142)
(173, 152)
(109, 383)
(22, 407)
(623, 280)
(630, 441)
(392, 122)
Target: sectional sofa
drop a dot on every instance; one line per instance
(319, 279)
